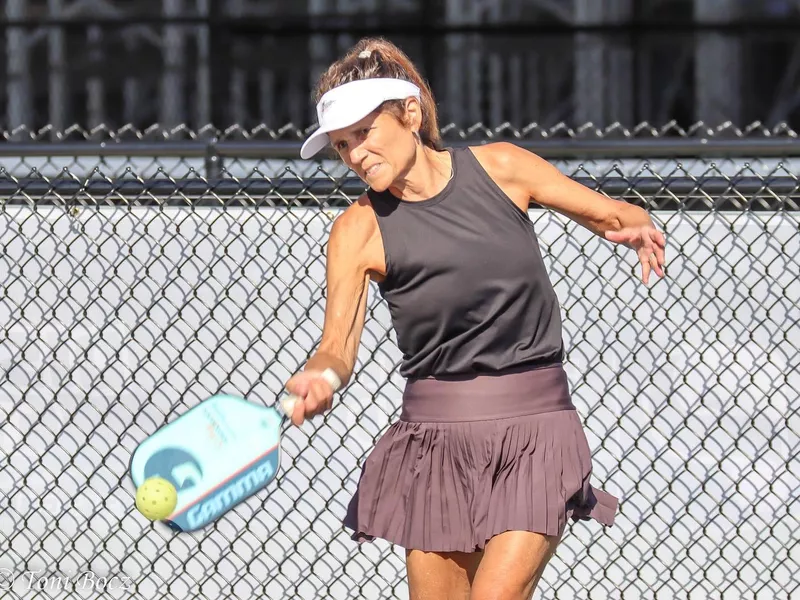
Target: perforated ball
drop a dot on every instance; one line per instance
(156, 498)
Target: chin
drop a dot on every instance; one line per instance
(379, 185)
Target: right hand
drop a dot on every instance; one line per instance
(312, 394)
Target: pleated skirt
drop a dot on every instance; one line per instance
(470, 458)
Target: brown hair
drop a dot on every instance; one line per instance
(384, 60)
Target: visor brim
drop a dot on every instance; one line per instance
(351, 102)
(314, 144)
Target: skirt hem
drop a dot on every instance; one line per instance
(603, 513)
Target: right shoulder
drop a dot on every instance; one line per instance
(354, 231)
(355, 223)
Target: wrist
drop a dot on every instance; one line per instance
(337, 370)
(332, 378)
(631, 215)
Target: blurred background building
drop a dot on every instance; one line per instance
(254, 62)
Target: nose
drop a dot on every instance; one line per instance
(357, 155)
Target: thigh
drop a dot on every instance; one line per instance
(441, 575)
(512, 565)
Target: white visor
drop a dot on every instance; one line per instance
(349, 103)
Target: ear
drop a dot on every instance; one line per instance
(413, 113)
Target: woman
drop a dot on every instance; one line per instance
(488, 461)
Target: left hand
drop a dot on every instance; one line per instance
(649, 244)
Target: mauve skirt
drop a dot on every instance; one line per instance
(473, 457)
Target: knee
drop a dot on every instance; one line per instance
(501, 592)
(499, 588)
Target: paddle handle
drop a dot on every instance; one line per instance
(329, 375)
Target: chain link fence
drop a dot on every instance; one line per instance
(450, 131)
(140, 276)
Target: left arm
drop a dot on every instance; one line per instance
(526, 176)
(543, 183)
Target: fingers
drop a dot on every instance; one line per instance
(656, 253)
(298, 385)
(657, 263)
(298, 415)
(650, 262)
(619, 237)
(659, 238)
(317, 399)
(645, 269)
(293, 408)
(657, 244)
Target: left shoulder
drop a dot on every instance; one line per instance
(523, 173)
(505, 161)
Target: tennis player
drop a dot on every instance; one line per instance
(488, 461)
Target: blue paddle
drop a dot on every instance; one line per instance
(215, 456)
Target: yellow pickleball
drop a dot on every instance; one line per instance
(156, 498)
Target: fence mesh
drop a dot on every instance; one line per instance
(121, 308)
(477, 131)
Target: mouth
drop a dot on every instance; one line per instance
(371, 171)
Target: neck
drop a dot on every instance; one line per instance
(429, 173)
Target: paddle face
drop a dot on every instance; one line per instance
(217, 455)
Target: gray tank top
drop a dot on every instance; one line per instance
(466, 285)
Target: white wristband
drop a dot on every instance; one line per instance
(331, 377)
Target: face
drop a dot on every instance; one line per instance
(378, 148)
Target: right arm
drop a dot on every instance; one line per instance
(351, 256)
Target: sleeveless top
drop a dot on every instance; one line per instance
(465, 284)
